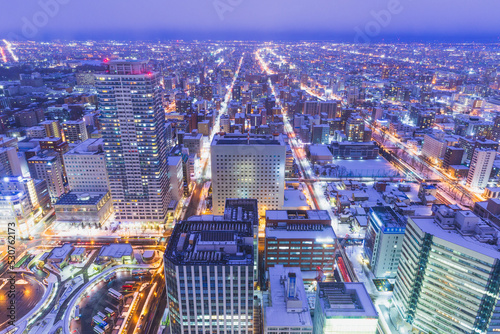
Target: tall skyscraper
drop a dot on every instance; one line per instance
(133, 129)
(209, 277)
(248, 166)
(480, 168)
(448, 278)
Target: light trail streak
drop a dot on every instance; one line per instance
(2, 53)
(9, 48)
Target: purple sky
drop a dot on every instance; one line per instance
(247, 19)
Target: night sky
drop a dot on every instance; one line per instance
(343, 20)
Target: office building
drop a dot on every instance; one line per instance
(176, 176)
(287, 310)
(434, 147)
(209, 277)
(36, 132)
(480, 168)
(88, 208)
(248, 166)
(194, 142)
(343, 308)
(245, 210)
(36, 189)
(75, 131)
(384, 240)
(15, 207)
(136, 156)
(354, 128)
(275, 218)
(303, 245)
(448, 279)
(49, 168)
(453, 156)
(52, 128)
(349, 150)
(86, 167)
(320, 134)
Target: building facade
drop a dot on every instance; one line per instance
(133, 129)
(209, 277)
(448, 279)
(248, 166)
(384, 240)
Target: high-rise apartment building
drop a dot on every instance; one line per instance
(209, 277)
(75, 131)
(480, 168)
(354, 128)
(384, 240)
(448, 279)
(49, 168)
(133, 129)
(248, 166)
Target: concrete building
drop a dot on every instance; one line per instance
(86, 167)
(136, 153)
(303, 245)
(49, 168)
(384, 240)
(84, 208)
(275, 218)
(480, 168)
(209, 277)
(175, 172)
(52, 128)
(60, 256)
(343, 308)
(453, 156)
(15, 207)
(320, 134)
(348, 150)
(448, 280)
(36, 132)
(75, 131)
(354, 129)
(9, 162)
(248, 166)
(194, 142)
(117, 254)
(434, 147)
(287, 310)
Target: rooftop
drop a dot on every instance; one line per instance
(215, 242)
(88, 147)
(319, 150)
(320, 233)
(60, 253)
(116, 250)
(80, 198)
(387, 217)
(429, 225)
(246, 139)
(284, 311)
(241, 210)
(340, 300)
(298, 215)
